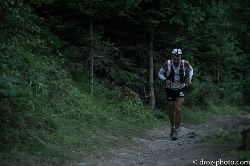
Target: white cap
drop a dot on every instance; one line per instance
(177, 51)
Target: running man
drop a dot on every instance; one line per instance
(178, 75)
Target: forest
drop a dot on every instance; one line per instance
(76, 72)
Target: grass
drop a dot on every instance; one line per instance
(61, 122)
(197, 114)
(228, 138)
(67, 123)
(48, 118)
(66, 137)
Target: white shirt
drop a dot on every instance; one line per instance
(176, 84)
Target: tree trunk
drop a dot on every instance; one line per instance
(242, 142)
(91, 54)
(151, 73)
(218, 73)
(243, 138)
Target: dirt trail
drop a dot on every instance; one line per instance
(155, 148)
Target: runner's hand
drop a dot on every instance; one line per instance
(168, 82)
(188, 82)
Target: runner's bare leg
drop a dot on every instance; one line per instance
(178, 107)
(171, 105)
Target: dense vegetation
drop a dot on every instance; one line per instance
(90, 67)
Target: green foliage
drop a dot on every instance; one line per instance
(199, 114)
(50, 118)
(187, 14)
(45, 113)
(44, 83)
(102, 8)
(230, 138)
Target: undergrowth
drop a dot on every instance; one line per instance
(199, 114)
(46, 117)
(60, 122)
(49, 118)
(228, 139)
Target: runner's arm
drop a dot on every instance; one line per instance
(189, 69)
(162, 71)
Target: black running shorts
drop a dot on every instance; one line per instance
(173, 94)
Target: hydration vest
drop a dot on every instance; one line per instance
(181, 73)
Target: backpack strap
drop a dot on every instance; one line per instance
(169, 67)
(171, 72)
(182, 72)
